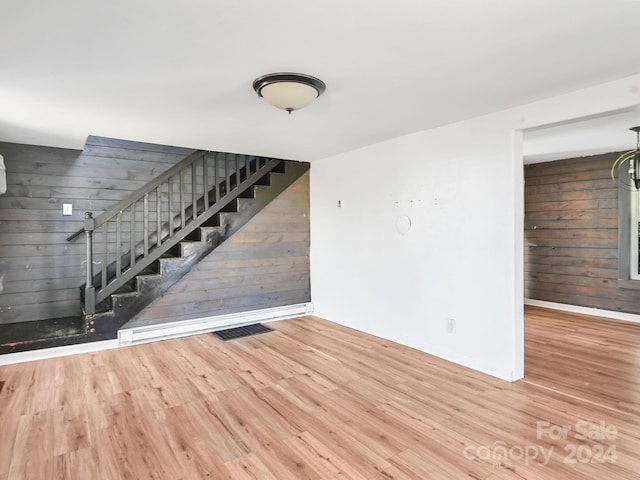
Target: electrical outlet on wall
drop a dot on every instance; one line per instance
(451, 325)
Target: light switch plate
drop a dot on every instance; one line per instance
(67, 209)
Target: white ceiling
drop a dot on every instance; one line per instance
(591, 136)
(180, 72)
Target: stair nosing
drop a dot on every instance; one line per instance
(126, 294)
(149, 275)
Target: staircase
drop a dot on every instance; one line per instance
(147, 242)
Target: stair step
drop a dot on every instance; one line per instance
(264, 190)
(245, 203)
(231, 206)
(213, 222)
(126, 288)
(100, 321)
(225, 219)
(263, 182)
(248, 193)
(103, 306)
(146, 283)
(280, 169)
(171, 264)
(120, 301)
(207, 232)
(125, 295)
(150, 270)
(189, 248)
(193, 236)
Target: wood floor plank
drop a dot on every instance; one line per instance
(35, 434)
(248, 467)
(76, 465)
(315, 400)
(189, 449)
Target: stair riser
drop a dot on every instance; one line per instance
(189, 248)
(100, 322)
(148, 284)
(170, 265)
(207, 234)
(211, 234)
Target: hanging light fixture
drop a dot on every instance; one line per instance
(289, 91)
(631, 180)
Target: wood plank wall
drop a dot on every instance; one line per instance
(571, 235)
(40, 271)
(265, 264)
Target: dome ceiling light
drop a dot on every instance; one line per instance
(289, 91)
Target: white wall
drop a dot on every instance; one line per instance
(461, 185)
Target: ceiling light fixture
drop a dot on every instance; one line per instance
(289, 91)
(631, 181)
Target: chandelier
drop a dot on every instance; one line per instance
(629, 162)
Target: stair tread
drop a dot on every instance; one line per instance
(126, 294)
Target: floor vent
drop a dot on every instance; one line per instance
(238, 332)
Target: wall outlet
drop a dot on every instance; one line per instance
(451, 325)
(67, 209)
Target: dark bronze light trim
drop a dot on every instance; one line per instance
(632, 159)
(261, 82)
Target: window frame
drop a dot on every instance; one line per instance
(634, 218)
(628, 212)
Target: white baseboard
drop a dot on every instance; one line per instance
(152, 333)
(163, 331)
(44, 353)
(596, 312)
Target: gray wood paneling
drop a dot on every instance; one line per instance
(571, 235)
(265, 264)
(40, 271)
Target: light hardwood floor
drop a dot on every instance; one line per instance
(314, 400)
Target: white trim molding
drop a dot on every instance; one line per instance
(596, 312)
(163, 331)
(44, 353)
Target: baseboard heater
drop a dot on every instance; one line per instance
(163, 331)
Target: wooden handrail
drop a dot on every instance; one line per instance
(152, 185)
(75, 235)
(142, 191)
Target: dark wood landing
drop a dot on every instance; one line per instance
(55, 332)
